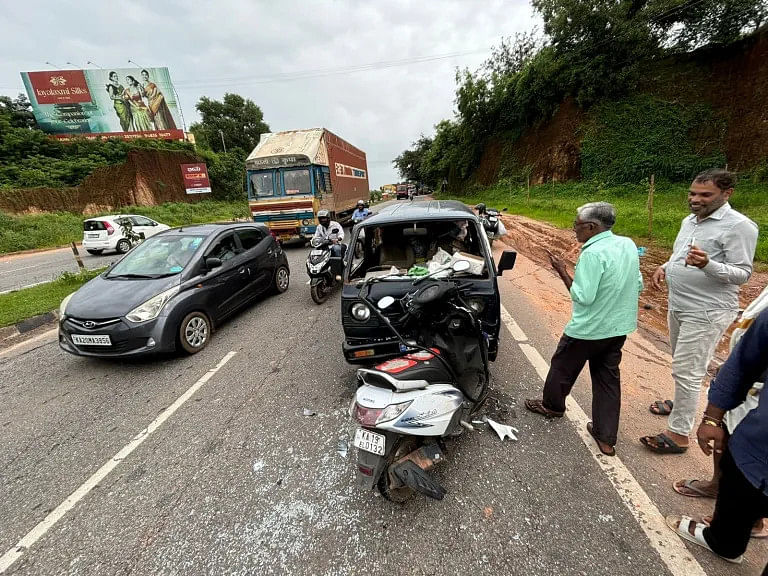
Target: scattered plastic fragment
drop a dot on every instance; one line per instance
(308, 412)
(503, 431)
(343, 447)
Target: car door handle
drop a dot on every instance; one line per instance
(244, 270)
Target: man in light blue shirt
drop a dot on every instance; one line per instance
(360, 213)
(604, 291)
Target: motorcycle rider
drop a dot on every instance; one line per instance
(329, 230)
(360, 213)
(482, 212)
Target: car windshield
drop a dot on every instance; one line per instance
(157, 257)
(412, 249)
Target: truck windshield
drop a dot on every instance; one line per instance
(297, 182)
(262, 184)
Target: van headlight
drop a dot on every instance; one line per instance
(152, 307)
(63, 305)
(477, 305)
(360, 312)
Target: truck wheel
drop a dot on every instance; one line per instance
(319, 291)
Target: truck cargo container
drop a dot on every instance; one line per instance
(292, 175)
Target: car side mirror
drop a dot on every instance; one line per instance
(506, 262)
(212, 263)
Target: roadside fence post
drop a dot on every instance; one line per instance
(651, 189)
(77, 257)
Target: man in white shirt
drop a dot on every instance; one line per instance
(330, 231)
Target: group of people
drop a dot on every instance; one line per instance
(140, 106)
(712, 256)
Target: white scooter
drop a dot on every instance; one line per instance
(405, 406)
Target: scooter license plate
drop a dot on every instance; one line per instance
(370, 441)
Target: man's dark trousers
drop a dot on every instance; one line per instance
(604, 357)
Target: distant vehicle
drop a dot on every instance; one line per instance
(293, 175)
(172, 291)
(107, 233)
(412, 191)
(402, 192)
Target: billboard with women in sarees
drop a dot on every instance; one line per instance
(110, 102)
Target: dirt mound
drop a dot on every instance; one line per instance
(146, 178)
(533, 238)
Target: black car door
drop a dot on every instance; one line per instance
(259, 252)
(230, 282)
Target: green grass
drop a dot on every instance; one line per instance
(557, 205)
(27, 302)
(53, 229)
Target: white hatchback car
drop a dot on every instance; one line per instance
(106, 232)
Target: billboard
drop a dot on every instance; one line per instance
(118, 102)
(195, 178)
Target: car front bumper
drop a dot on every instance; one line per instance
(127, 339)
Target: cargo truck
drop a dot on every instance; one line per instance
(292, 175)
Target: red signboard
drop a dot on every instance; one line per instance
(60, 87)
(196, 178)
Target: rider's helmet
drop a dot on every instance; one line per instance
(360, 204)
(480, 207)
(324, 217)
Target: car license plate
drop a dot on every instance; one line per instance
(91, 340)
(93, 235)
(370, 441)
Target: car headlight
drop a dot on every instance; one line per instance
(477, 305)
(63, 305)
(152, 307)
(393, 411)
(360, 312)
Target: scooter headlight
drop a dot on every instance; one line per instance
(360, 312)
(393, 411)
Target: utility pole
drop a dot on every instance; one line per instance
(224, 144)
(651, 190)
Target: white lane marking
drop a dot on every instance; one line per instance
(47, 523)
(669, 546)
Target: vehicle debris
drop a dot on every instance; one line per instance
(503, 431)
(308, 412)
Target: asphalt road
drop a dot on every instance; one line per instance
(22, 270)
(238, 481)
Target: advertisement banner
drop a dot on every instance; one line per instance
(196, 178)
(105, 103)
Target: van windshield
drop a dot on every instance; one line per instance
(412, 249)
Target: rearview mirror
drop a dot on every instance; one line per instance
(461, 266)
(385, 302)
(212, 263)
(506, 262)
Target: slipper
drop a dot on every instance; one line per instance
(680, 486)
(757, 534)
(663, 444)
(660, 408)
(681, 524)
(536, 405)
(611, 452)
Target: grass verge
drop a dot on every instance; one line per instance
(49, 230)
(557, 203)
(27, 302)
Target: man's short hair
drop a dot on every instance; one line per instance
(601, 213)
(723, 179)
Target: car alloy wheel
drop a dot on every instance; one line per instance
(282, 279)
(123, 246)
(194, 332)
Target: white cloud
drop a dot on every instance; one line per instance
(215, 47)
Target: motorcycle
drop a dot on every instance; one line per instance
(490, 221)
(407, 406)
(324, 270)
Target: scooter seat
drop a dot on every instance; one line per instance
(409, 372)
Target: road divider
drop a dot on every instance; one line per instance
(16, 552)
(669, 546)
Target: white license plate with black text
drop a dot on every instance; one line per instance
(370, 441)
(91, 340)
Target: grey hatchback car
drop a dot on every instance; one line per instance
(171, 291)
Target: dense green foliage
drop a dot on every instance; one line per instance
(638, 136)
(593, 52)
(557, 202)
(59, 228)
(27, 302)
(235, 122)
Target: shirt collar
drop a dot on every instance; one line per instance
(597, 238)
(718, 214)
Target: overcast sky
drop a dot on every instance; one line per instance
(245, 46)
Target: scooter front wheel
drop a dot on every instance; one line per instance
(319, 291)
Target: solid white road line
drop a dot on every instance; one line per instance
(669, 546)
(49, 521)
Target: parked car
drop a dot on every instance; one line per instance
(107, 232)
(402, 243)
(172, 291)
